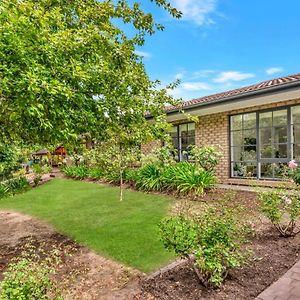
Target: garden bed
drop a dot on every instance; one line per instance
(272, 256)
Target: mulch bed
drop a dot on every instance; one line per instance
(272, 256)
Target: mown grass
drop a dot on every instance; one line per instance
(92, 215)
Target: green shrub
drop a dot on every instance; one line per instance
(29, 278)
(37, 168)
(282, 208)
(206, 157)
(188, 178)
(185, 178)
(36, 180)
(8, 160)
(149, 178)
(13, 186)
(211, 241)
(95, 173)
(293, 171)
(130, 175)
(4, 191)
(77, 172)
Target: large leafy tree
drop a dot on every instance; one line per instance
(67, 69)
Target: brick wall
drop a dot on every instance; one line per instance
(213, 130)
(147, 148)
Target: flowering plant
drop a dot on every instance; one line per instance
(282, 208)
(294, 171)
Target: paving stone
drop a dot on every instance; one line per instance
(286, 288)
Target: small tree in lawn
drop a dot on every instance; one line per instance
(124, 139)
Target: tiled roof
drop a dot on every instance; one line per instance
(265, 85)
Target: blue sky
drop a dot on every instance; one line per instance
(220, 45)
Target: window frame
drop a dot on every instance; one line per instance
(259, 160)
(179, 156)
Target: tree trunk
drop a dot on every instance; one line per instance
(121, 185)
(121, 172)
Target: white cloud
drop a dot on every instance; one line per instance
(274, 70)
(179, 75)
(143, 53)
(196, 86)
(197, 11)
(225, 77)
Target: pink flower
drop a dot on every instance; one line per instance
(293, 164)
(287, 200)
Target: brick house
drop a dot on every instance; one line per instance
(257, 128)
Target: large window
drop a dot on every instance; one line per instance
(262, 143)
(183, 136)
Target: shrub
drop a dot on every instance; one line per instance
(29, 277)
(130, 175)
(37, 178)
(8, 160)
(165, 155)
(77, 172)
(185, 178)
(37, 169)
(4, 191)
(206, 157)
(211, 241)
(294, 171)
(282, 208)
(95, 173)
(13, 186)
(149, 178)
(188, 178)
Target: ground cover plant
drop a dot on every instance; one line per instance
(92, 215)
(30, 276)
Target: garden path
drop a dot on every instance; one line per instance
(286, 288)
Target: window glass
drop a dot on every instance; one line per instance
(296, 115)
(265, 135)
(191, 127)
(237, 137)
(280, 151)
(280, 135)
(265, 119)
(280, 117)
(249, 137)
(236, 122)
(183, 130)
(296, 138)
(249, 153)
(244, 170)
(237, 153)
(266, 151)
(249, 121)
(297, 152)
(183, 136)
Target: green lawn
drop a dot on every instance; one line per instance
(92, 215)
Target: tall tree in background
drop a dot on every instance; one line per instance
(67, 69)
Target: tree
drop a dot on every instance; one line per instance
(67, 69)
